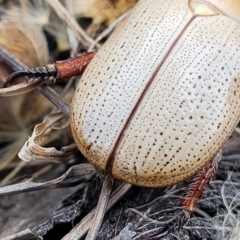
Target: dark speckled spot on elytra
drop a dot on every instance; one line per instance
(89, 146)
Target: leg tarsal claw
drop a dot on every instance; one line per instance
(40, 72)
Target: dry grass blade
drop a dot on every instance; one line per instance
(32, 149)
(77, 170)
(79, 33)
(20, 88)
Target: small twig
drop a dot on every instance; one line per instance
(74, 171)
(62, 13)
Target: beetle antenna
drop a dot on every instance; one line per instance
(40, 72)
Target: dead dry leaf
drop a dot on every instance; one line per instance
(32, 150)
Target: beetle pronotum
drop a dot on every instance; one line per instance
(161, 97)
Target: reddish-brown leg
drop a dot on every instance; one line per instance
(199, 184)
(73, 66)
(60, 69)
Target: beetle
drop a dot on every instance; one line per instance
(161, 97)
(154, 114)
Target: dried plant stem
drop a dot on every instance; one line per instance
(62, 13)
(101, 208)
(81, 229)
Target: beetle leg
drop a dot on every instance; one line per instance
(60, 69)
(199, 184)
(73, 66)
